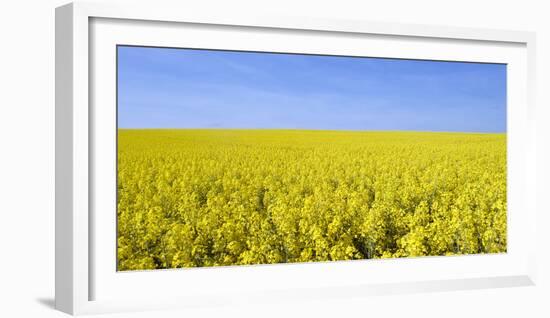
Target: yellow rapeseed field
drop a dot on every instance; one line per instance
(189, 198)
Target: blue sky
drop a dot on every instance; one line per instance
(182, 88)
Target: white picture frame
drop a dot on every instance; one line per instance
(85, 32)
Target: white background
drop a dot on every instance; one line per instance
(27, 158)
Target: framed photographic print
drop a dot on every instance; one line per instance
(207, 159)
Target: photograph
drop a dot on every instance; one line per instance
(229, 158)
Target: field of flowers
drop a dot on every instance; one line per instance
(189, 198)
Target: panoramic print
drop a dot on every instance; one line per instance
(231, 158)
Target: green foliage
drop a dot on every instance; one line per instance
(189, 198)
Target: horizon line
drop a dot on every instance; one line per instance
(310, 129)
